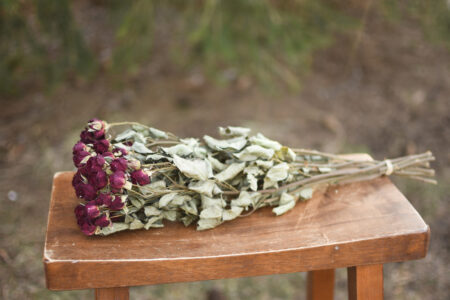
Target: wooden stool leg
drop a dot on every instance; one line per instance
(365, 282)
(320, 285)
(118, 293)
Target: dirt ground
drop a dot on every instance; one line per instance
(388, 94)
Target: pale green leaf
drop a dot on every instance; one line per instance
(261, 140)
(136, 224)
(204, 224)
(114, 227)
(230, 172)
(166, 199)
(151, 211)
(306, 193)
(234, 144)
(159, 134)
(154, 222)
(204, 187)
(140, 148)
(127, 134)
(211, 212)
(285, 198)
(283, 208)
(254, 152)
(170, 215)
(231, 131)
(180, 149)
(198, 169)
(216, 164)
(233, 213)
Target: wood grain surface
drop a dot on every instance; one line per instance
(365, 282)
(320, 285)
(356, 224)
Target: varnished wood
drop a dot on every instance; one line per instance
(365, 282)
(356, 224)
(112, 294)
(320, 285)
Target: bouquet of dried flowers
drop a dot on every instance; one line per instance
(142, 176)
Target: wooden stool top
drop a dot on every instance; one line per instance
(356, 224)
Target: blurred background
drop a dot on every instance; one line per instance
(354, 76)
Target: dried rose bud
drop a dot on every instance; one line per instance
(104, 199)
(103, 221)
(80, 211)
(79, 157)
(96, 124)
(95, 164)
(88, 229)
(77, 179)
(108, 154)
(134, 164)
(117, 180)
(92, 210)
(78, 147)
(99, 179)
(101, 146)
(86, 137)
(86, 191)
(118, 151)
(119, 164)
(117, 203)
(140, 177)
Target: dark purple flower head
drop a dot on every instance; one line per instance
(92, 210)
(119, 164)
(108, 154)
(103, 221)
(86, 191)
(99, 179)
(118, 151)
(86, 137)
(117, 203)
(96, 128)
(95, 164)
(79, 157)
(78, 147)
(140, 177)
(88, 229)
(117, 180)
(77, 179)
(101, 146)
(104, 199)
(80, 211)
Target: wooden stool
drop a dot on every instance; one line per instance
(358, 226)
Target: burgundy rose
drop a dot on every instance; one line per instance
(80, 211)
(95, 164)
(120, 151)
(103, 221)
(117, 203)
(86, 137)
(140, 177)
(108, 154)
(119, 164)
(86, 191)
(88, 229)
(99, 179)
(104, 199)
(78, 158)
(78, 147)
(77, 179)
(101, 146)
(117, 180)
(92, 210)
(97, 128)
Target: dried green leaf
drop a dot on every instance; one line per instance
(306, 193)
(216, 164)
(154, 222)
(180, 149)
(158, 134)
(166, 199)
(170, 215)
(231, 131)
(127, 134)
(286, 154)
(151, 211)
(198, 169)
(211, 212)
(140, 148)
(230, 172)
(234, 144)
(246, 199)
(136, 224)
(261, 140)
(204, 224)
(283, 208)
(114, 227)
(204, 187)
(233, 213)
(254, 152)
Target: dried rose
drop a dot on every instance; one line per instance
(86, 191)
(80, 211)
(117, 203)
(97, 128)
(104, 199)
(99, 179)
(117, 180)
(79, 157)
(88, 229)
(78, 147)
(119, 164)
(77, 179)
(92, 210)
(101, 146)
(140, 177)
(118, 151)
(103, 221)
(95, 164)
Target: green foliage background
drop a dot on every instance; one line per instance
(272, 42)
